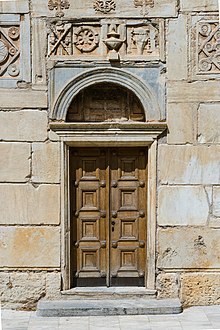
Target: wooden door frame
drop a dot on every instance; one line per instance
(80, 135)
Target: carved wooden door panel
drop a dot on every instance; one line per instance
(128, 216)
(89, 214)
(108, 216)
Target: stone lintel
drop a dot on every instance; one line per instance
(122, 134)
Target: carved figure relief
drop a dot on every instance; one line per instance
(58, 5)
(104, 6)
(9, 51)
(144, 4)
(143, 40)
(208, 47)
(86, 39)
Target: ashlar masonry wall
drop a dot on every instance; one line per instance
(188, 161)
(188, 156)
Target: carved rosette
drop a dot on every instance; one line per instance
(104, 6)
(86, 39)
(208, 47)
(9, 51)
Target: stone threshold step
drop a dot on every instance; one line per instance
(104, 307)
(108, 293)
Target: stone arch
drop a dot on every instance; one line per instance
(106, 75)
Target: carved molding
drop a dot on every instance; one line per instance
(9, 51)
(104, 6)
(58, 5)
(103, 75)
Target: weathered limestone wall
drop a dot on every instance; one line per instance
(29, 175)
(189, 161)
(188, 191)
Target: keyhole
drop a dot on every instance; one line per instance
(113, 229)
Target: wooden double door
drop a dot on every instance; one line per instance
(108, 216)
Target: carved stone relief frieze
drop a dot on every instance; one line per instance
(68, 39)
(208, 47)
(204, 47)
(59, 6)
(104, 6)
(109, 39)
(9, 51)
(86, 39)
(15, 52)
(143, 40)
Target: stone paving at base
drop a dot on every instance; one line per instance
(194, 318)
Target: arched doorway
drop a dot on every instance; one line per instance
(108, 123)
(108, 195)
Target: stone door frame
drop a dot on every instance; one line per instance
(102, 135)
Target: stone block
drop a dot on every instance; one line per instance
(209, 123)
(167, 285)
(193, 92)
(189, 164)
(177, 48)
(31, 205)
(14, 6)
(14, 162)
(24, 287)
(197, 5)
(46, 162)
(23, 125)
(216, 201)
(4, 282)
(182, 121)
(200, 289)
(53, 285)
(37, 247)
(182, 206)
(188, 248)
(23, 98)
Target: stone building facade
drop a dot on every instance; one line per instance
(85, 82)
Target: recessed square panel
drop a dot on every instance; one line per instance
(89, 199)
(128, 229)
(89, 229)
(128, 200)
(90, 260)
(89, 167)
(128, 168)
(128, 259)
